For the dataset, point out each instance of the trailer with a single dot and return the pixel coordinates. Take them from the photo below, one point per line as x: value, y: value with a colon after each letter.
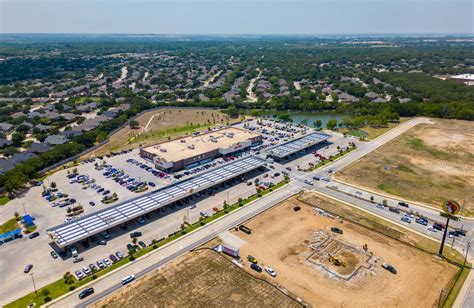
x: 245, y: 229
x: 230, y: 250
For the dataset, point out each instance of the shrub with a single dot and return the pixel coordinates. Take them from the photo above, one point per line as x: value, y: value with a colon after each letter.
x: 202, y: 223
x: 132, y: 258
x: 72, y: 288
x: 47, y: 299
x: 155, y: 246
x: 94, y: 276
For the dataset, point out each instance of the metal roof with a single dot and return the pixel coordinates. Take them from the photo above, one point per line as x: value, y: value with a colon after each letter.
x: 88, y: 225
x: 298, y: 144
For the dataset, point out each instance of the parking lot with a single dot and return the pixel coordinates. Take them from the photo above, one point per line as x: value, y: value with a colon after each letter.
x: 113, y: 175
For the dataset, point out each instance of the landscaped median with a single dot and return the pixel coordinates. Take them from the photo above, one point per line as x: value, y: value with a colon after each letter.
x: 69, y: 282
x: 331, y: 159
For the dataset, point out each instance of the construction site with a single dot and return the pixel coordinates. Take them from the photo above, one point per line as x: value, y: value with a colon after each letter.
x: 328, y: 261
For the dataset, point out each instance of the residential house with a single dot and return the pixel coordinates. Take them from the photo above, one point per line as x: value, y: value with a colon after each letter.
x: 38, y: 148
x: 56, y: 139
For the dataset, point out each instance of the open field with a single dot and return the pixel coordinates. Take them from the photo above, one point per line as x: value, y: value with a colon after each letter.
x: 164, y: 124
x: 429, y: 163
x: 300, y: 247
x: 198, y: 279
x: 369, y: 133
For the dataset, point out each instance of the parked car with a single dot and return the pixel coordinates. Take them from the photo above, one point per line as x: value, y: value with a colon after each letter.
x: 119, y: 254
x: 389, y: 268
x: 77, y: 259
x: 54, y: 254
x: 33, y: 235
x: 142, y: 244
x: 128, y: 279
x: 136, y: 234
x: 100, y: 264
x: 113, y: 258
x: 270, y: 271
x: 107, y: 261
x: 86, y: 270
x: 28, y: 268
x: 79, y: 274
x: 255, y: 267
x: 252, y: 259
x: 130, y: 247
x: 336, y: 230
x: 102, y: 242
x: 86, y: 292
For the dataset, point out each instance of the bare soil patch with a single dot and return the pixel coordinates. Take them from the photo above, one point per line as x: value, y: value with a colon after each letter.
x: 290, y: 241
x: 198, y: 279
x: 429, y: 163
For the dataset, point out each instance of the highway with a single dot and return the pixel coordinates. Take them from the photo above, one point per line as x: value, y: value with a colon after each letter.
x: 111, y: 282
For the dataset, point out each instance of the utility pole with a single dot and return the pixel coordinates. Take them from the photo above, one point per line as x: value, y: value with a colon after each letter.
x: 34, y: 286
x: 467, y: 251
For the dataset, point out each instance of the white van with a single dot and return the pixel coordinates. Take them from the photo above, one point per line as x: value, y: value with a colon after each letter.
x: 128, y: 279
x: 74, y: 252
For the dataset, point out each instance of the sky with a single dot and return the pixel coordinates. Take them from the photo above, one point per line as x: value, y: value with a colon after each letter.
x: 237, y: 16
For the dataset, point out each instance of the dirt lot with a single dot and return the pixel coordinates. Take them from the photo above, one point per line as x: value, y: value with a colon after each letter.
x: 429, y: 163
x: 159, y: 125
x: 281, y: 239
x: 199, y: 279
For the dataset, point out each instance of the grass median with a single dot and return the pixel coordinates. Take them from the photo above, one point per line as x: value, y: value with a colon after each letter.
x: 63, y: 286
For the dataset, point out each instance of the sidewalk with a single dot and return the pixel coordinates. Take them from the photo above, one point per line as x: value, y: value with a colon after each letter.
x: 466, y: 295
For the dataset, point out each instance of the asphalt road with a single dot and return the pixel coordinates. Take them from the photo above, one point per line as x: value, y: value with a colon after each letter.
x: 111, y: 283
x: 154, y: 260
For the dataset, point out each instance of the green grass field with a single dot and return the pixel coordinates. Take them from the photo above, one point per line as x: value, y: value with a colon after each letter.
x: 9, y: 225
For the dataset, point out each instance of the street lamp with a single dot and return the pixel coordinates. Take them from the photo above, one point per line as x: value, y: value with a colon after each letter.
x: 33, y: 280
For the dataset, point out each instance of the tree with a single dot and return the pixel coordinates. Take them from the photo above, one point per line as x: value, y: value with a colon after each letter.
x: 384, y: 202
x: 318, y: 123
x: 331, y: 124
x: 134, y: 124
x: 17, y: 139
x: 232, y: 111
x: 53, y: 185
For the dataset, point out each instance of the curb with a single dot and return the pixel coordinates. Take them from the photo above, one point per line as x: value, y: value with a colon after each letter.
x: 377, y: 215
x: 148, y: 254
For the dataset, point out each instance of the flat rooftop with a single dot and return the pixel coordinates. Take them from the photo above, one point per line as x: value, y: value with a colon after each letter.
x: 94, y: 223
x: 181, y: 148
x: 298, y: 144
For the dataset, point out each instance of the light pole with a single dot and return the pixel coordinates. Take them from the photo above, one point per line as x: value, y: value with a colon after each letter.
x: 467, y: 251
x: 34, y: 286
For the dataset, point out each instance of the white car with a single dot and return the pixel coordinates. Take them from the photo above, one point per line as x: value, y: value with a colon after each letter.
x: 308, y: 182
x: 192, y: 206
x: 107, y: 261
x: 86, y: 270
x: 79, y: 274
x: 270, y: 271
x: 128, y: 279
x: 100, y: 264
x: 432, y: 229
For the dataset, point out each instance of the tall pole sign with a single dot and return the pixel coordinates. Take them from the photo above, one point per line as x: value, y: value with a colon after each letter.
x: 450, y: 209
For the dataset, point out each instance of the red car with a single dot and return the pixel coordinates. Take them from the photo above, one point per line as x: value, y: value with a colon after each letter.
x: 215, y: 209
